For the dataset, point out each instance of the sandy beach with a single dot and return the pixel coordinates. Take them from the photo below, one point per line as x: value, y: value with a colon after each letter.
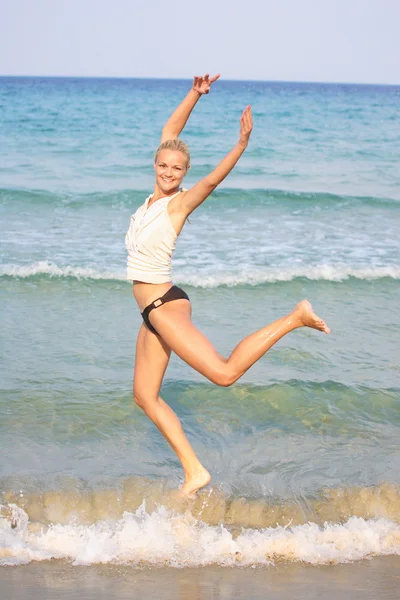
x: 376, y: 579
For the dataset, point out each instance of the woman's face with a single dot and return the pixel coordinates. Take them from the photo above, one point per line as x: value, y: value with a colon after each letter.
x: 171, y: 168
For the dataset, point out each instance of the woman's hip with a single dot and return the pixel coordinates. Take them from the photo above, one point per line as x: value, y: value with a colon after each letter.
x: 173, y: 293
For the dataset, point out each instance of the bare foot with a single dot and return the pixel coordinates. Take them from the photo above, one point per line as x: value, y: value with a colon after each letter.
x: 193, y: 483
x: 308, y: 318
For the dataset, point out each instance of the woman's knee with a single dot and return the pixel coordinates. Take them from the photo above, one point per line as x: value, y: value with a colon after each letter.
x: 140, y: 399
x: 223, y: 376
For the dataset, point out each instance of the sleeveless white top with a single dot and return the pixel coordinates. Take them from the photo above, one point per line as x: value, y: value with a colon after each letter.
x: 150, y: 242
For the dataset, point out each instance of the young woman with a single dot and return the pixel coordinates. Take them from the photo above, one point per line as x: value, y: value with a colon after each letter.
x: 165, y: 308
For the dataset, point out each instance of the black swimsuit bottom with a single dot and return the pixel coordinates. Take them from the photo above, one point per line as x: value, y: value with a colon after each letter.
x: 174, y: 293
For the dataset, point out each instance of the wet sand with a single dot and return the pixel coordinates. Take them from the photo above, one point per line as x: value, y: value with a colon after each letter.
x: 377, y: 579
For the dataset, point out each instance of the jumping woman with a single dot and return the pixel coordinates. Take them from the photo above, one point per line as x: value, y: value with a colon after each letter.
x: 165, y: 308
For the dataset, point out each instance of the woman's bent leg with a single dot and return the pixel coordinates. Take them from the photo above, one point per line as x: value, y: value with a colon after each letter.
x: 173, y: 323
x: 152, y: 356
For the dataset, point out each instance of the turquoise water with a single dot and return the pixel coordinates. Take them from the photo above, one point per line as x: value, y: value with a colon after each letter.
x: 310, y: 434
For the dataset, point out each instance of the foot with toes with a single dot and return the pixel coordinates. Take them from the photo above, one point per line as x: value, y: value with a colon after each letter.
x: 308, y: 318
x: 194, y: 482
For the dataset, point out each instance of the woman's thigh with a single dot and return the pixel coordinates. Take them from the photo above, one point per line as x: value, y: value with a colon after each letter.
x: 151, y: 361
x: 173, y: 323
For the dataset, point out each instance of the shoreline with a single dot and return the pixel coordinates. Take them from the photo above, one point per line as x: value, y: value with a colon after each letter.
x: 367, y: 579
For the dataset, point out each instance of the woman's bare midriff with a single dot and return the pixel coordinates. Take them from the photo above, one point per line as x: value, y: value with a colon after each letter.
x: 146, y: 293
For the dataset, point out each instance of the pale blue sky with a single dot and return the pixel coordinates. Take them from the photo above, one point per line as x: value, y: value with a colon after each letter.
x: 292, y: 40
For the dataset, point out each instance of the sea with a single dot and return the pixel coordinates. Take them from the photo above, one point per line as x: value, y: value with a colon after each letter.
x: 304, y: 450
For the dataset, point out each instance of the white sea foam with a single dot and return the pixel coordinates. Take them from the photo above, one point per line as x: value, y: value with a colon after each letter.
x: 204, y: 279
x: 167, y: 538
x: 47, y: 268
x: 269, y: 275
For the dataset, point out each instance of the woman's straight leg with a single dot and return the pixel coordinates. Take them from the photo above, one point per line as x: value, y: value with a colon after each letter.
x: 152, y: 356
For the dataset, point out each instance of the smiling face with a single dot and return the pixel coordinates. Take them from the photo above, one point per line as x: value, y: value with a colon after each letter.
x: 170, y: 167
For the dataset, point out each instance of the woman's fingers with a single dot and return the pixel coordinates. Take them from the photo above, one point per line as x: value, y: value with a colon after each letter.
x: 209, y: 79
x: 246, y: 124
x: 214, y: 78
x: 203, y: 84
x: 250, y: 117
x: 246, y: 118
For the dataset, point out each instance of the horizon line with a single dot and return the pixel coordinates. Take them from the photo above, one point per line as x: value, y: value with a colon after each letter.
x: 123, y: 77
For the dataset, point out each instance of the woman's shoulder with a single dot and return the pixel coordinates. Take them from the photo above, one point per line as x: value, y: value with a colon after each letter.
x: 142, y: 206
x: 177, y: 194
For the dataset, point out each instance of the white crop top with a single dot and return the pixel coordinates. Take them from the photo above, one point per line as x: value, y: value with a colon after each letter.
x: 150, y: 242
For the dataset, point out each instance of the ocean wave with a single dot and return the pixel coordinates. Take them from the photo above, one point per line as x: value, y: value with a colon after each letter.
x: 36, y: 197
x: 74, y: 501
x: 159, y: 534
x: 234, y: 196
x: 339, y: 411
x: 251, y: 277
x: 255, y: 277
x: 48, y: 269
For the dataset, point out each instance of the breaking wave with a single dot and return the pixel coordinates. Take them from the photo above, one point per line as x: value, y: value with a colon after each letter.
x: 98, y: 527
x: 254, y: 277
x: 129, y: 197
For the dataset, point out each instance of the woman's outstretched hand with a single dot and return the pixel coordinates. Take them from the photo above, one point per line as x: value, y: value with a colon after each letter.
x: 202, y: 85
x: 246, y: 125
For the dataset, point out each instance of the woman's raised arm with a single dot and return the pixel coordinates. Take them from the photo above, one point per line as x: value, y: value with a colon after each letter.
x: 178, y: 119
x: 187, y: 202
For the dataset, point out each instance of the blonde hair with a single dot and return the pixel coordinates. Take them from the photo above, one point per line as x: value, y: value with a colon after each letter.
x: 177, y: 146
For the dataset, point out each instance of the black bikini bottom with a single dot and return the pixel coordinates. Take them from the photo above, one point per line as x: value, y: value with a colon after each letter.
x: 174, y: 293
